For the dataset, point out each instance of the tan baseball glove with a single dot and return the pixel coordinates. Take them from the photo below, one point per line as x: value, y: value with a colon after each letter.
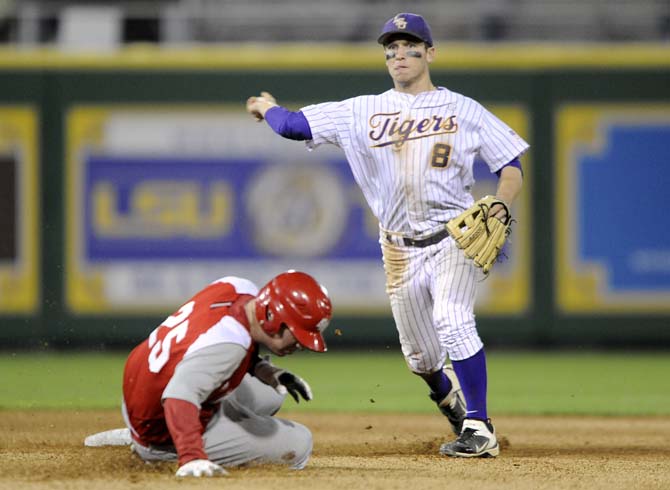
x: 479, y: 234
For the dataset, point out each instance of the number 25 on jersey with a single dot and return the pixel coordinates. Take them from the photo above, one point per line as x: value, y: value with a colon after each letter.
x: 176, y: 326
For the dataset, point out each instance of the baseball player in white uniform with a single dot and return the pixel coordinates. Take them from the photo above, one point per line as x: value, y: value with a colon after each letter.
x: 411, y: 150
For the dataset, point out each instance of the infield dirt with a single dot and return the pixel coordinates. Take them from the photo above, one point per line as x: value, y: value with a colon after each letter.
x: 44, y: 450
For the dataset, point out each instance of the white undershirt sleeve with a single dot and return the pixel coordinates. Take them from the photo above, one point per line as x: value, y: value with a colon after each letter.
x: 200, y: 373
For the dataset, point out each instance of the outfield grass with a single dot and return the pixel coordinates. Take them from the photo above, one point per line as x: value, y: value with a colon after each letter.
x: 519, y: 382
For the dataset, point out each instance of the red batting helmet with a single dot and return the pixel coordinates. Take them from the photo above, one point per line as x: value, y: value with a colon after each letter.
x: 296, y: 300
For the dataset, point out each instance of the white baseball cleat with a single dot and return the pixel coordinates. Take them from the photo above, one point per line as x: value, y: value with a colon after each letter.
x: 477, y: 440
x: 114, y: 437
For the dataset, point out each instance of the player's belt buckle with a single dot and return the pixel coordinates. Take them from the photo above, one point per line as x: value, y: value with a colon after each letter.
x: 428, y: 241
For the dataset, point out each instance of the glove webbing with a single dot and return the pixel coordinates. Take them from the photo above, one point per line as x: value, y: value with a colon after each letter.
x: 483, y: 245
x: 486, y: 209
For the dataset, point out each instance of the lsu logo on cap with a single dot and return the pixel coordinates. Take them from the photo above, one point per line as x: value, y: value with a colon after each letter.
x: 400, y: 22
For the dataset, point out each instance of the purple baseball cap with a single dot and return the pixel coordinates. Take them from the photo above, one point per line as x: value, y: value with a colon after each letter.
x: 411, y: 24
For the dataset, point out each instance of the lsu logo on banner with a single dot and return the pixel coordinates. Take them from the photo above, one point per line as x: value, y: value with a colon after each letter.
x: 157, y: 206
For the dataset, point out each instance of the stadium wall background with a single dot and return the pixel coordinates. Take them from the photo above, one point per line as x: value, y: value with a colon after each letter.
x: 553, y: 84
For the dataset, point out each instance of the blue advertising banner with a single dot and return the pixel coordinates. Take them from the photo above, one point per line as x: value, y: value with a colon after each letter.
x: 214, y: 209
x: 162, y: 201
x: 614, y: 251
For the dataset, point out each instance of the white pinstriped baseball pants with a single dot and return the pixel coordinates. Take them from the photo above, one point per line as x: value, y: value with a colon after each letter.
x: 432, y: 293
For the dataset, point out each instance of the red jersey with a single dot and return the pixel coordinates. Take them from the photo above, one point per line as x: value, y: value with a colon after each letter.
x: 214, y: 315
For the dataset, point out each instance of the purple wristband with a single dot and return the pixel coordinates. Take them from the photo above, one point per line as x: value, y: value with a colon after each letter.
x: 514, y: 163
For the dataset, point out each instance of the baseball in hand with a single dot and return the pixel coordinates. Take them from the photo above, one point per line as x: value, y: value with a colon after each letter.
x: 257, y: 106
x: 252, y: 103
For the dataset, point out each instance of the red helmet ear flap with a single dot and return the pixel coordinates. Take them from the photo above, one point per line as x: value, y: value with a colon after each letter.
x: 267, y: 318
x: 297, y: 300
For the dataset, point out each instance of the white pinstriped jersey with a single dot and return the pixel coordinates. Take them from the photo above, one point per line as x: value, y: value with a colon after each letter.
x: 412, y: 156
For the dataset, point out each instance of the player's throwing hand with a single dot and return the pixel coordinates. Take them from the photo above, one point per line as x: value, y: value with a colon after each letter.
x: 258, y: 106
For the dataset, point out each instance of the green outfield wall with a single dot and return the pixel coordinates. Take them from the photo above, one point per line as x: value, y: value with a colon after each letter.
x: 590, y: 261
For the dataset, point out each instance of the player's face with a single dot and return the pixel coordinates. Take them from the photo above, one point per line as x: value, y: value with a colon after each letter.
x: 407, y: 60
x: 283, y: 343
